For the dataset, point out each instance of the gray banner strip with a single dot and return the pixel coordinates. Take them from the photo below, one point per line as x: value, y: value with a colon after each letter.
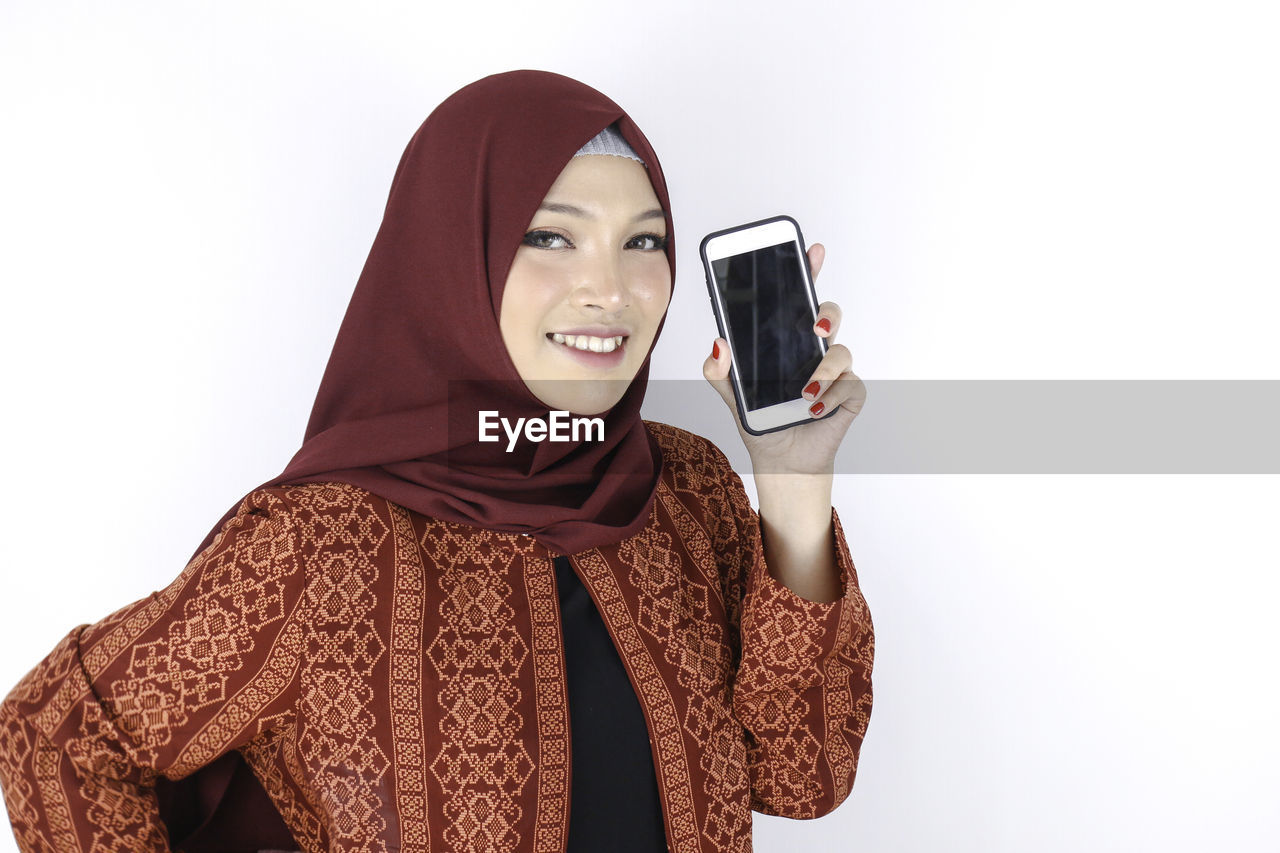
x: 1028, y: 426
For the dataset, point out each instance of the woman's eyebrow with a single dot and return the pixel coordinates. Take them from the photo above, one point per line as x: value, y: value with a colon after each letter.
x: 574, y: 210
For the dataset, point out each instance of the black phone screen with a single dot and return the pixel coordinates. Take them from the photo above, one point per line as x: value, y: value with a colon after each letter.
x: 770, y: 322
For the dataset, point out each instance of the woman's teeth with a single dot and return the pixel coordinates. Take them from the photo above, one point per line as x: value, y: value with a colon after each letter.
x: 588, y: 342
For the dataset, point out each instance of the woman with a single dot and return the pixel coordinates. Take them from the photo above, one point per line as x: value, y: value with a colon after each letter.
x: 420, y: 640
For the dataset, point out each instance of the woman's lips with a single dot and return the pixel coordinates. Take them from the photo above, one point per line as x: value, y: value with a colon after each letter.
x: 589, y: 350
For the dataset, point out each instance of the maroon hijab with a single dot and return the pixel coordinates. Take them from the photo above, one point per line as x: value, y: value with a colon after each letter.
x: 420, y: 352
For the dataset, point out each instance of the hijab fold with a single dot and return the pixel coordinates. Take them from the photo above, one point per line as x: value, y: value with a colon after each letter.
x: 420, y: 353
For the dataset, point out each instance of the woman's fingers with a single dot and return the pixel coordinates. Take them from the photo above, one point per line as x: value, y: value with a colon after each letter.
x: 716, y: 370
x: 846, y: 390
x: 837, y: 361
x: 817, y: 254
x: 834, y: 384
x: 828, y: 322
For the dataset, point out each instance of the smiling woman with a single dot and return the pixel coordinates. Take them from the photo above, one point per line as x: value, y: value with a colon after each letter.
x: 413, y: 639
x: 590, y: 283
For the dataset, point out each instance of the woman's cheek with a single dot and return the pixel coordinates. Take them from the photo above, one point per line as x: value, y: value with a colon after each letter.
x: 656, y: 283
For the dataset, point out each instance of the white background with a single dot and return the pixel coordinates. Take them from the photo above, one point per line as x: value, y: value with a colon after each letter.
x: 1077, y: 189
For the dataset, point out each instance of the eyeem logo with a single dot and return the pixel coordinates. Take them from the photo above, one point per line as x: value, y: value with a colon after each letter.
x: 559, y: 426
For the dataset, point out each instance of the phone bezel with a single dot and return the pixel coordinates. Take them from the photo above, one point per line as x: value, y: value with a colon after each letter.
x: 736, y: 241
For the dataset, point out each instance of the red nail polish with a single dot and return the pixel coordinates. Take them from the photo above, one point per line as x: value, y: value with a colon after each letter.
x: 825, y: 325
x: 816, y: 409
x: 813, y: 388
x: 715, y: 350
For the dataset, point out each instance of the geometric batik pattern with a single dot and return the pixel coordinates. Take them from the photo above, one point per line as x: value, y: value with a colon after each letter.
x: 343, y: 653
x: 397, y: 682
x: 480, y: 658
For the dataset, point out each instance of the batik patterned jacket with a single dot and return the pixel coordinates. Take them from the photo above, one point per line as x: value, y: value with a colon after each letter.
x: 397, y: 682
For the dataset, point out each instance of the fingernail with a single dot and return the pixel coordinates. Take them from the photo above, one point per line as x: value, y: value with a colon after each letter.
x: 715, y: 351
x: 812, y: 388
x: 816, y: 409
x: 825, y: 325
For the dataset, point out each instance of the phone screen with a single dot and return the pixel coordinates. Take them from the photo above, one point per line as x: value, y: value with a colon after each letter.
x: 770, y: 322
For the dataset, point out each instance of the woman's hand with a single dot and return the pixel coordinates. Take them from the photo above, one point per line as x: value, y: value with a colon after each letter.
x: 808, y: 448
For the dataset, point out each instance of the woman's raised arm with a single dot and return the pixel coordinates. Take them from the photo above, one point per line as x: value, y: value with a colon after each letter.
x: 802, y: 689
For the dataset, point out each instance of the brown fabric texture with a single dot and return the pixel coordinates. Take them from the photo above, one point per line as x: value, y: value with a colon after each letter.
x: 420, y: 352
x: 396, y: 681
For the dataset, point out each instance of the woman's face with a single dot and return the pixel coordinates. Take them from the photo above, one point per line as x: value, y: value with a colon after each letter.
x: 591, y: 270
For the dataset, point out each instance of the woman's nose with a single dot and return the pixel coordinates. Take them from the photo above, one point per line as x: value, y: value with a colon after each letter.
x: 603, y: 285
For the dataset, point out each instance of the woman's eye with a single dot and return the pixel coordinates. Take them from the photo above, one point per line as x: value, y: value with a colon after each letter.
x: 547, y: 240
x: 647, y: 242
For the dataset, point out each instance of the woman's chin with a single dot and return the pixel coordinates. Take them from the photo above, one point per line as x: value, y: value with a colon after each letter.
x: 579, y: 396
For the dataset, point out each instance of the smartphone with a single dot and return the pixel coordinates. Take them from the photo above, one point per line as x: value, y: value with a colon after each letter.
x: 765, y: 307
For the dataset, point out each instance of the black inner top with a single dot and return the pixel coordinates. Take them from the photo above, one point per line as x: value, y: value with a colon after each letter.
x: 614, y: 802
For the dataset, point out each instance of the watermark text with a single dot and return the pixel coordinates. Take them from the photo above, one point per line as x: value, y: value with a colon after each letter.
x: 559, y: 426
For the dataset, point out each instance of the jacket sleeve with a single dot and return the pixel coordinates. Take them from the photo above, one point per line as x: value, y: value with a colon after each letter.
x: 802, y: 689
x: 161, y: 687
